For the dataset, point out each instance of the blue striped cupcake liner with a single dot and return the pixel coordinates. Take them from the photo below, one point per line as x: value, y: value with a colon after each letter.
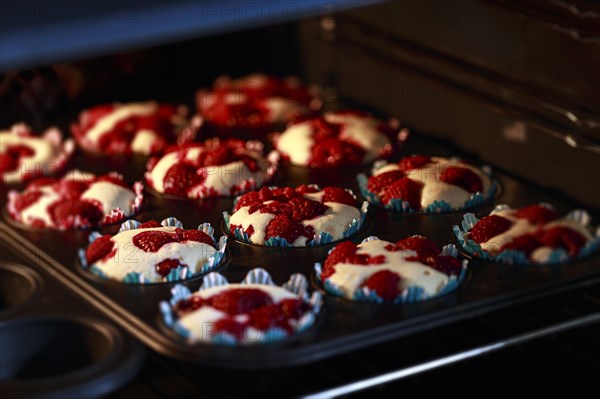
x: 296, y: 284
x: 176, y: 274
x: 320, y: 239
x: 440, y: 206
x: 408, y: 295
x: 514, y: 257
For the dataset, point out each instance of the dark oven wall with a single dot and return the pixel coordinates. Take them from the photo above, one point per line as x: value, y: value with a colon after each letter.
x: 511, y: 86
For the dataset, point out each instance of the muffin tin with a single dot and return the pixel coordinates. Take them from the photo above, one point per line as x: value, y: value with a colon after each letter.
x: 342, y: 325
x: 54, y: 344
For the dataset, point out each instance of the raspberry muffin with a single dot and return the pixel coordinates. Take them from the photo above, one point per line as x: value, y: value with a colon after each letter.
x: 153, y: 252
x: 255, y: 311
x: 211, y: 169
x: 25, y: 156
x: 409, y: 270
x: 427, y: 184
x: 78, y: 200
x: 255, y: 102
x: 533, y: 234
x: 335, y: 139
x: 298, y: 217
x: 133, y: 128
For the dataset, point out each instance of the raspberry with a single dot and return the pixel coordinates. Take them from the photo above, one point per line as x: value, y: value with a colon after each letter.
x: 71, y: 189
x: 192, y: 303
x: 462, y: 177
x: 339, y: 254
x: 63, y: 211
x: 488, y: 227
x: 537, y: 214
x: 413, y: 162
x: 164, y: 268
x: 305, y: 209
x: 180, y: 178
x: 250, y: 163
x: 526, y: 243
x: 152, y: 241
x: 269, y: 316
x: 365, y: 259
x: 444, y: 263
x: 249, y: 199
x: 385, y: 284
x: 149, y: 224
x: 380, y: 182
x: 230, y: 326
x: 112, y: 179
x: 306, y: 189
x: 563, y: 237
x: 293, y: 308
x: 332, y: 152
x: 8, y: 163
x: 98, y: 249
x: 282, y: 226
x: 419, y: 244
x: 337, y: 194
x: 220, y: 155
x: 405, y: 189
x: 324, y: 130
x: 27, y: 199
x: 197, y: 235
x: 20, y: 151
x: 239, y: 300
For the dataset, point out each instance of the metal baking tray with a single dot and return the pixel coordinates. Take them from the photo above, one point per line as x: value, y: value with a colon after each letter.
x: 342, y: 325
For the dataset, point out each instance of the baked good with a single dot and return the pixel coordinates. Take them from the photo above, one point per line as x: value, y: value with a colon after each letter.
x: 25, y: 156
x: 254, y: 102
x: 152, y: 252
x: 303, y: 216
x: 77, y: 200
x: 532, y: 234
x: 427, y: 184
x: 210, y: 169
x: 409, y: 270
x: 335, y: 139
x: 132, y: 128
x: 255, y: 311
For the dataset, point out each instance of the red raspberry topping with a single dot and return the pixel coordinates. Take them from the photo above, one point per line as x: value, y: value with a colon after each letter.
x: 66, y: 210
x: 337, y: 194
x: 152, y: 241
x: 339, y: 254
x: 192, y: 303
x: 284, y: 227
x: 41, y: 182
x: 10, y: 159
x: 98, y: 249
x: 405, y: 189
x: 267, y: 317
x: 537, y: 214
x: 149, y: 224
x: 293, y: 308
x: 306, y: 189
x: 385, y: 284
x: 72, y: 189
x: 443, y: 263
x: 239, y: 300
x: 413, y: 162
x: 462, y: 177
x: 563, y: 237
x: 196, y: 235
x: 380, y: 182
x: 332, y: 152
x: 488, y: 227
x: 180, y: 179
x: 27, y: 199
x: 164, y: 267
x: 419, y: 244
x: 526, y: 243
x: 230, y: 326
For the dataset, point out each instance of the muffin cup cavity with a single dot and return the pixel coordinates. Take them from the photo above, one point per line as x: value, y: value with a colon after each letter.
x: 18, y: 285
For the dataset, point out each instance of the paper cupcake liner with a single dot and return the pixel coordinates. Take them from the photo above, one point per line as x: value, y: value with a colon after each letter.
x: 515, y: 257
x: 177, y: 274
x: 112, y: 217
x: 408, y: 295
x: 319, y: 239
x: 297, y: 284
x: 441, y: 206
